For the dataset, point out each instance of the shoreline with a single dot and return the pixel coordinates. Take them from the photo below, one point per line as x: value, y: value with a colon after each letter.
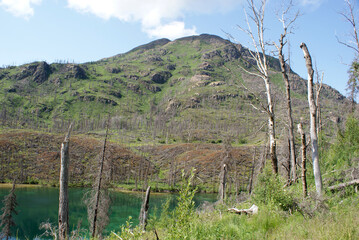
x: 115, y: 189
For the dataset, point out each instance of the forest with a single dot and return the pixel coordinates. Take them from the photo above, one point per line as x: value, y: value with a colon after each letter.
x: 198, y: 114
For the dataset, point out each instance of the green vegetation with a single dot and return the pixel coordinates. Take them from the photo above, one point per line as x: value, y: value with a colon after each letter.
x: 189, y: 90
x: 283, y: 212
x: 174, y: 106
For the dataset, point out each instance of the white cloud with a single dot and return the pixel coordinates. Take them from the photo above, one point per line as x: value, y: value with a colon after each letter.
x: 20, y: 8
x: 159, y: 18
x: 171, y: 30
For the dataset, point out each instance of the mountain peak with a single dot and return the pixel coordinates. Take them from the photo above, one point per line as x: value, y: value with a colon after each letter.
x: 151, y: 45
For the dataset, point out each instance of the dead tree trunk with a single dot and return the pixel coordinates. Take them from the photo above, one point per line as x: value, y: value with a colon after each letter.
x: 261, y: 70
x: 63, y: 194
x: 287, y: 19
x: 313, y: 122
x: 144, y: 209
x: 222, y: 184
x: 8, y: 210
x: 317, y: 102
x: 292, y: 152
x: 304, y: 159
x: 250, y: 185
x: 99, y: 180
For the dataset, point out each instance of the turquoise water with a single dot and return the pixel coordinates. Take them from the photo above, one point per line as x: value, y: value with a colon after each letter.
x: 40, y: 204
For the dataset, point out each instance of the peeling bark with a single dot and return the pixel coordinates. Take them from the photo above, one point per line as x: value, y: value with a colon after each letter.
x: 63, y: 194
x: 313, y: 121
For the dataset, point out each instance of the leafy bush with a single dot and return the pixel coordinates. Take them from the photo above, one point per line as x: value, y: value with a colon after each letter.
x: 270, y: 191
x: 127, y: 232
x: 184, y: 212
x: 346, y: 147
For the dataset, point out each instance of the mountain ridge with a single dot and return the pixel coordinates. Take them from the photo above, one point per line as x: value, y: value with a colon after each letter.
x: 166, y: 82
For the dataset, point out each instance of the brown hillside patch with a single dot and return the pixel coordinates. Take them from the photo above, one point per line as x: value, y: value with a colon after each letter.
x: 205, y: 158
x: 34, y: 157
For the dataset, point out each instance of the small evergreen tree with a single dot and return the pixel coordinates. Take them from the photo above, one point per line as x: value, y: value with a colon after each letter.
x: 6, y: 219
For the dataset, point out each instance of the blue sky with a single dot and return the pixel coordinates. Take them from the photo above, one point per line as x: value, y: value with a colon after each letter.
x: 88, y: 30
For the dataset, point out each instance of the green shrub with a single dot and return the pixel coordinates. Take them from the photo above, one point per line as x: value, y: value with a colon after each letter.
x: 270, y: 191
x: 346, y: 146
x: 184, y: 213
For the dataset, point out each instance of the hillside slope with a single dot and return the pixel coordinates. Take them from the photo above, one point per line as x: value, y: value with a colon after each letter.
x: 190, y: 89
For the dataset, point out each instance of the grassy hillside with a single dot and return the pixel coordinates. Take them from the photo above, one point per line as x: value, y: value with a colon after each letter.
x: 190, y: 89
x: 173, y: 105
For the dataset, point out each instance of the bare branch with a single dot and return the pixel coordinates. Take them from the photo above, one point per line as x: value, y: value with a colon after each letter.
x: 350, y: 17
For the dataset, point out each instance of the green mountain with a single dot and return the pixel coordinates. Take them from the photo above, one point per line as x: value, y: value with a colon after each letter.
x: 190, y: 89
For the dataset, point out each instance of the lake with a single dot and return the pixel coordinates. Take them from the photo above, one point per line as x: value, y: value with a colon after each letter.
x: 40, y: 204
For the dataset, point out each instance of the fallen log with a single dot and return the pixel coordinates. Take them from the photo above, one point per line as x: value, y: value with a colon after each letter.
x: 344, y: 185
x: 250, y: 211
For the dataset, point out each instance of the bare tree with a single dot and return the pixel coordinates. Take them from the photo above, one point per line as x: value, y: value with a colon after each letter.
x: 313, y: 121
x: 144, y: 209
x: 6, y: 218
x: 259, y: 44
x: 63, y: 191
x: 304, y: 158
x: 98, y: 201
x: 319, y: 87
x: 222, y: 184
x: 351, y: 16
x: 287, y: 23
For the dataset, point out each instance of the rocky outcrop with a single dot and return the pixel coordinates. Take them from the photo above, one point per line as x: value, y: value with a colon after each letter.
x: 42, y: 72
x: 161, y: 77
x: 116, y: 94
x: 113, y: 70
x: 230, y: 52
x: 37, y: 72
x: 75, y: 71
x: 171, y: 67
x: 106, y: 101
x: 206, y: 66
x: 212, y: 54
x: 151, y: 88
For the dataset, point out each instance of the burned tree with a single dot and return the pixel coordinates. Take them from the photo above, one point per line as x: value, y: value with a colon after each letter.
x: 222, y: 184
x: 63, y: 192
x: 313, y: 121
x: 144, y: 209
x: 352, y: 42
x: 6, y: 218
x: 262, y: 70
x: 98, y: 200
x: 287, y: 25
x: 304, y: 159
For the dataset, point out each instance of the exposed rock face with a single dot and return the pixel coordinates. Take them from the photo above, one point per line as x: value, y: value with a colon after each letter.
x: 200, y: 80
x: 107, y: 101
x: 161, y: 77
x: 206, y: 66
x: 230, y: 52
x: 42, y: 72
x: 116, y: 94
x: 90, y: 98
x: 215, y: 84
x: 210, y: 55
x: 75, y: 71
x: 151, y: 88
x: 38, y: 72
x: 172, y: 105
x: 135, y: 88
x: 114, y: 70
x: 152, y: 59
x: 171, y: 67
